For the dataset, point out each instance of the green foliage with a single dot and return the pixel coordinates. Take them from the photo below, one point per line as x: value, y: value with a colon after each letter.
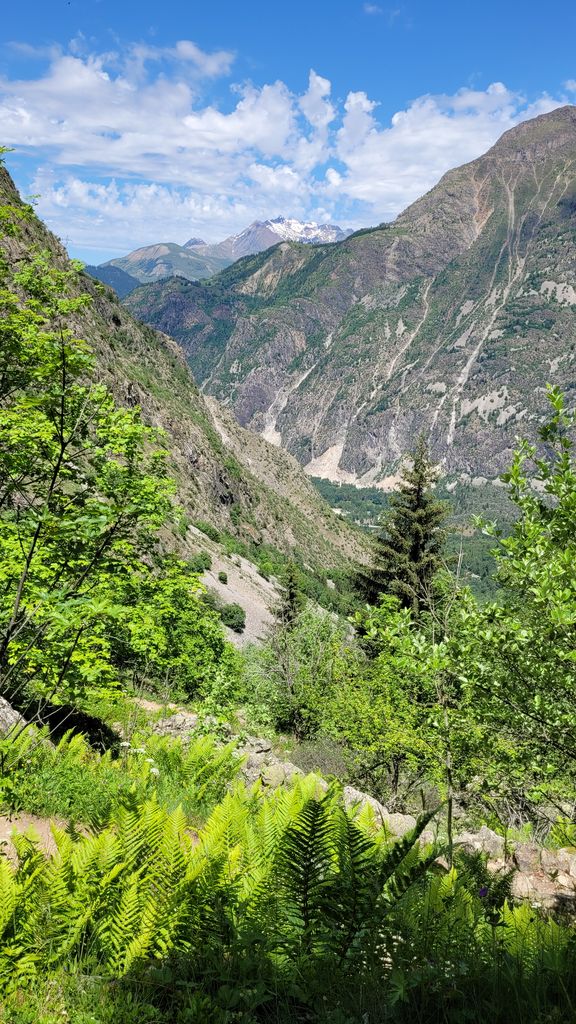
x: 86, y: 601
x: 292, y: 600
x: 409, y: 545
x: 223, y: 577
x: 169, y: 639
x: 292, y: 678
x: 72, y: 781
x: 83, y: 493
x: 518, y: 657
x: 139, y: 890
x: 283, y: 907
x: 200, y: 562
x: 209, y: 530
x: 233, y: 616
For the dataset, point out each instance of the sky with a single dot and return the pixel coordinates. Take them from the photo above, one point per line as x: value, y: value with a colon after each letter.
x: 149, y: 122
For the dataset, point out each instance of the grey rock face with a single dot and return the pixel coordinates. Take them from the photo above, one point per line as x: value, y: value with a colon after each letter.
x: 449, y: 321
x: 180, y: 725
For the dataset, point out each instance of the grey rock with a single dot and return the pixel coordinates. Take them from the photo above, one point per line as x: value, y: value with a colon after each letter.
x: 276, y: 773
x: 482, y: 351
x: 527, y: 858
x: 485, y: 840
x: 181, y: 724
x: 356, y: 798
x: 256, y: 744
x: 9, y: 717
x: 399, y: 824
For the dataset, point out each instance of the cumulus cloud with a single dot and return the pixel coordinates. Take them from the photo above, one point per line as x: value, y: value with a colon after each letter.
x: 387, y: 168
x: 130, y: 151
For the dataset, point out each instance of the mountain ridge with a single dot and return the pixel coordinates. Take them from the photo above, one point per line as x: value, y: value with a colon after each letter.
x: 197, y: 259
x: 450, y: 320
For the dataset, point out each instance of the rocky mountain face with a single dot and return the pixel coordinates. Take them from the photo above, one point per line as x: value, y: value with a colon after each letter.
x: 197, y: 259
x: 226, y: 477
x: 450, y: 320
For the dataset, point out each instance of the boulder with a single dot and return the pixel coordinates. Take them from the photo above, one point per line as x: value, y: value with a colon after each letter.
x: 484, y: 840
x: 9, y: 717
x: 356, y: 798
x: 527, y: 857
x: 279, y: 772
x: 399, y: 824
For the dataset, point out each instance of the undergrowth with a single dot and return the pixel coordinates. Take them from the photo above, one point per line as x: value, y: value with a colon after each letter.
x: 283, y: 908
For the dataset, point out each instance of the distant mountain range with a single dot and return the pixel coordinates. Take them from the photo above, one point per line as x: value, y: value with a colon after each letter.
x: 451, y: 321
x: 197, y: 259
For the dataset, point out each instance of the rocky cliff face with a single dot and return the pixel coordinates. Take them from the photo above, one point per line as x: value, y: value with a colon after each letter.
x: 226, y: 476
x: 451, y: 321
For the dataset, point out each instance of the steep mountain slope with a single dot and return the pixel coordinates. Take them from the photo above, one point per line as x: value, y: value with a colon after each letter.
x: 226, y: 477
x: 450, y: 320
x: 197, y: 259
x: 119, y: 280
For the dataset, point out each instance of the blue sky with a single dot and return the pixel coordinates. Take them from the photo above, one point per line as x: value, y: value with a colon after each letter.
x: 158, y: 121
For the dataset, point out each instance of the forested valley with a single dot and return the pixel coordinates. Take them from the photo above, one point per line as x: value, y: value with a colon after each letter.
x: 179, y: 884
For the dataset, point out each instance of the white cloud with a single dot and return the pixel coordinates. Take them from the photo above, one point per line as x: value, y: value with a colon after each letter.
x: 130, y: 152
x: 570, y: 85
x: 372, y: 9
x: 388, y: 168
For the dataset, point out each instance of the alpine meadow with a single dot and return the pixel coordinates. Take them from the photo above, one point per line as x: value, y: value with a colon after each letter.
x: 287, y: 530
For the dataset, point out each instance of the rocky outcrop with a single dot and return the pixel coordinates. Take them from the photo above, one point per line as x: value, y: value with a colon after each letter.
x: 546, y: 877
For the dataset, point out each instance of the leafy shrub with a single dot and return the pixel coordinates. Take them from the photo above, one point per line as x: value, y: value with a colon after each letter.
x: 200, y: 562
x: 223, y: 577
x: 208, y: 529
x: 233, y: 616
x: 290, y: 680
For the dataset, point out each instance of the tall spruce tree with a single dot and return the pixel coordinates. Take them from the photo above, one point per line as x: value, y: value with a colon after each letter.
x: 292, y: 600
x: 410, y: 543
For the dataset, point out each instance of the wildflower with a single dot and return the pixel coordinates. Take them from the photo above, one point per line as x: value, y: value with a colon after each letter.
x: 483, y: 892
x: 125, y: 744
x: 154, y: 771
x: 138, y: 750
x: 149, y: 760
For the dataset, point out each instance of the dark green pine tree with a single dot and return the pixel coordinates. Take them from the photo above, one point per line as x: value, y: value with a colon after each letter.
x: 409, y: 546
x: 292, y: 600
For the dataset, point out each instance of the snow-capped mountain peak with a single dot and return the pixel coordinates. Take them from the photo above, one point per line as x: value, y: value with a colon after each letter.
x: 261, y: 234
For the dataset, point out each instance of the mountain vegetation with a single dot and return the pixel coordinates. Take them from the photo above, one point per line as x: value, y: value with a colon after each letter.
x: 410, y: 540
x: 169, y: 888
